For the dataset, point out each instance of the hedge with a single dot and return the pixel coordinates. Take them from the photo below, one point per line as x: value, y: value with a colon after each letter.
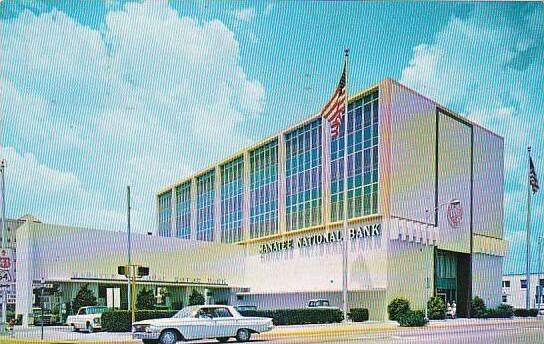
x: 503, y: 311
x: 358, y: 314
x: 120, y: 320
x: 412, y: 319
x: 298, y: 316
x: 522, y: 312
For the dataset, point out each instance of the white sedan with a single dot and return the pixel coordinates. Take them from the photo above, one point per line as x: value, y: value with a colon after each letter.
x: 200, y: 322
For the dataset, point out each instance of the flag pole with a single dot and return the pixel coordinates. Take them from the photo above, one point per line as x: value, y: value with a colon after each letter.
x: 528, y: 262
x: 345, y: 202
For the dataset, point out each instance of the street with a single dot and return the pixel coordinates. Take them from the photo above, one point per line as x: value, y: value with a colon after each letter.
x: 525, y: 332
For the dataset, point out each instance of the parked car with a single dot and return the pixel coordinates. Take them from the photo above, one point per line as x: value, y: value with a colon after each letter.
x: 87, y: 318
x: 201, y: 322
x: 321, y: 304
x: 243, y: 308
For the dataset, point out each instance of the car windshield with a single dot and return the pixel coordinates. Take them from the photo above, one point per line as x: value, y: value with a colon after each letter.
x: 96, y: 310
x: 187, y: 312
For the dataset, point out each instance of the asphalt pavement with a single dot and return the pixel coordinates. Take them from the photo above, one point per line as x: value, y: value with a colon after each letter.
x: 443, y: 333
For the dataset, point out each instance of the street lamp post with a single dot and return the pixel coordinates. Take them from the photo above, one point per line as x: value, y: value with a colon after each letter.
x: 428, y: 262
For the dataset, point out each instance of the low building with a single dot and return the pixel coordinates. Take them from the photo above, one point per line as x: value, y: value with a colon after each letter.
x: 514, y: 290
x: 66, y: 258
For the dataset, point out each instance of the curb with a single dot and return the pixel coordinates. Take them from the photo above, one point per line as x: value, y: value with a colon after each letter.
x: 313, y: 332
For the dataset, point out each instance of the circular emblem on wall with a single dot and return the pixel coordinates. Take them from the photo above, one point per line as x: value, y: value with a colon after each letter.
x: 455, y: 214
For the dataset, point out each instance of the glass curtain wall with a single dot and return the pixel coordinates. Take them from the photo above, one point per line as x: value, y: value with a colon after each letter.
x: 303, y: 176
x: 362, y: 136
x: 205, y: 206
x: 183, y: 211
x: 232, y: 195
x: 165, y: 214
x: 264, y: 190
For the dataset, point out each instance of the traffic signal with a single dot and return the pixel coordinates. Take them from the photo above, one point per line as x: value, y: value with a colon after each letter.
x: 122, y: 270
x: 143, y: 271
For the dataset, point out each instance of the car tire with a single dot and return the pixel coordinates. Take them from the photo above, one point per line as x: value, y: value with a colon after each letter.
x: 150, y: 341
x: 168, y: 337
x: 223, y: 339
x: 90, y: 328
x: 243, y: 335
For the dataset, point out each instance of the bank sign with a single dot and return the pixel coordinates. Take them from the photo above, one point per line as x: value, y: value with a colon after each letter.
x: 359, y: 232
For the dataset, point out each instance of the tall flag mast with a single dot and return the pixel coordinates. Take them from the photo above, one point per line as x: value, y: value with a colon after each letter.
x: 334, y: 112
x: 532, y: 189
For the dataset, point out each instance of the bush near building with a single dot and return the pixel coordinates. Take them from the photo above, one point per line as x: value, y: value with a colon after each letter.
x: 84, y: 298
x: 412, y: 319
x: 196, y: 298
x: 298, y: 316
x: 397, y: 308
x: 436, y: 308
x: 120, y: 320
x: 358, y: 314
x: 503, y: 311
x: 522, y: 312
x: 145, y: 299
x: 478, y: 308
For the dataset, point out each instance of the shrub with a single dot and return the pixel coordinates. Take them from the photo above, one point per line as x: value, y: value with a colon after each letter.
x: 85, y: 297
x: 145, y: 300
x: 412, y: 319
x: 358, y: 314
x: 522, y: 312
x: 120, y: 321
x: 533, y: 312
x: 196, y: 298
x: 397, y: 308
x: 436, y: 308
x: 298, y: 316
x: 478, y: 308
x: 503, y: 311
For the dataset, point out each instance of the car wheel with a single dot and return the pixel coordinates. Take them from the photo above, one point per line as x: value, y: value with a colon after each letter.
x: 90, y: 328
x: 223, y: 339
x: 168, y: 337
x: 243, y: 335
x: 150, y: 341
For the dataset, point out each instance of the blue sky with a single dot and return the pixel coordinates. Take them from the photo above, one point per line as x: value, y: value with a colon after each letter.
x: 98, y: 95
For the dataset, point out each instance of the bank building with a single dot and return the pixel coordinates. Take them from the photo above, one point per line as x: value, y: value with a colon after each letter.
x: 264, y: 226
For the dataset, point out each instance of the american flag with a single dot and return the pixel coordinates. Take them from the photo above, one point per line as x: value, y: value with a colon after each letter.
x: 533, y: 180
x: 334, y: 111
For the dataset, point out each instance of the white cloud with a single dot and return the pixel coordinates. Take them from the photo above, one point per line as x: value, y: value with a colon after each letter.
x: 142, y: 101
x: 245, y: 14
x: 268, y: 8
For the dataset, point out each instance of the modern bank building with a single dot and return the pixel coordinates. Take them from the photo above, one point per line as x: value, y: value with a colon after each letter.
x: 263, y: 227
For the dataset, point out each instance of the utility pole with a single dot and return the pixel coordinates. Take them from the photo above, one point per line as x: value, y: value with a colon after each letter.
x: 129, y: 286
x: 4, y: 293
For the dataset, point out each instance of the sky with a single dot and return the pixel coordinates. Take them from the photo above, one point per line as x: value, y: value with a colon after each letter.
x: 97, y: 95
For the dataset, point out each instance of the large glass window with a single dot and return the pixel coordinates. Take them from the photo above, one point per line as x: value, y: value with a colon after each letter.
x: 264, y: 190
x: 362, y: 146
x: 232, y: 195
x: 183, y: 211
x: 205, y: 206
x: 165, y: 214
x: 303, y: 176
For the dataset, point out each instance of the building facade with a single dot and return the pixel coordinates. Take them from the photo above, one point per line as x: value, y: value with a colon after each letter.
x: 514, y: 290
x: 424, y: 204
